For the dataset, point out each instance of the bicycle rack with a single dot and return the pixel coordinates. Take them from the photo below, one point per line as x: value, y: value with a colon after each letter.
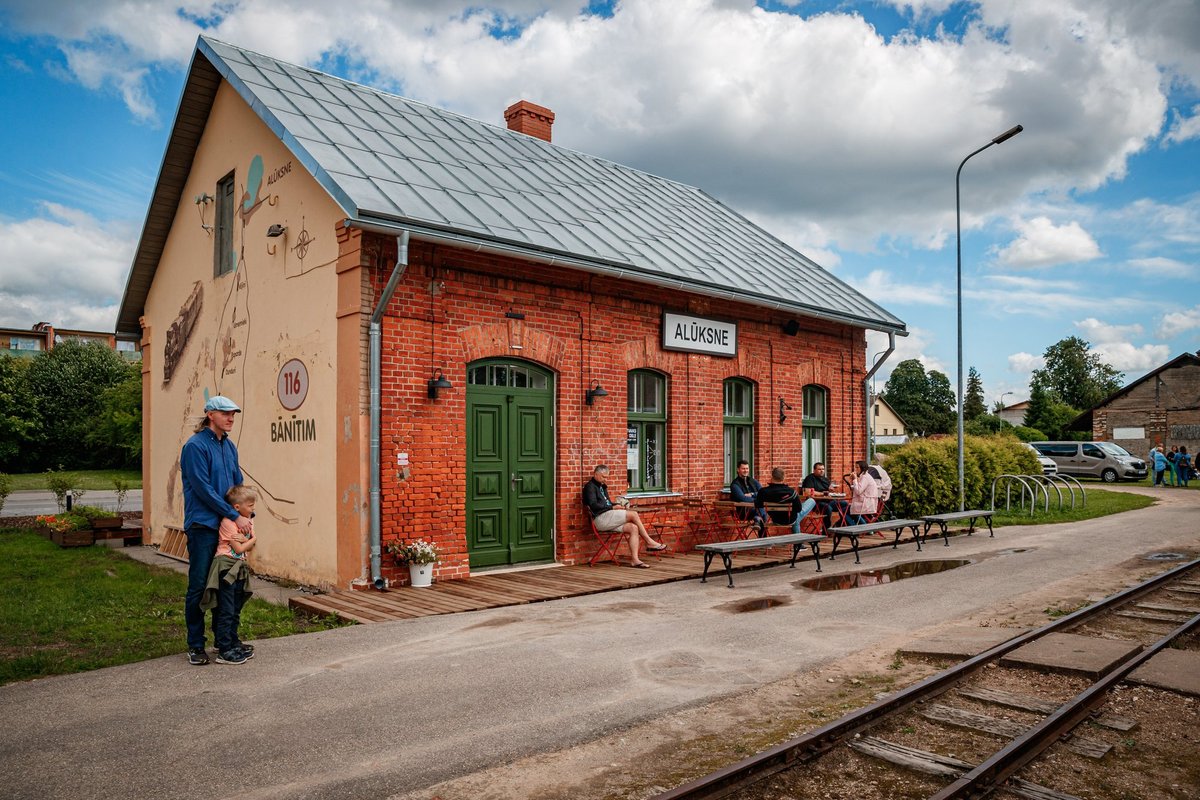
x: 1066, y: 480
x: 1029, y: 485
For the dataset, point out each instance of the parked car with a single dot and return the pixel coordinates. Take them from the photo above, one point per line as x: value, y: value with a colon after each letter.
x: 1104, y: 460
x: 1048, y: 465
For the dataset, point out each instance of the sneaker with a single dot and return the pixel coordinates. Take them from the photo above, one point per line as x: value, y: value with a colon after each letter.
x: 248, y: 649
x: 233, y: 656
x: 197, y: 657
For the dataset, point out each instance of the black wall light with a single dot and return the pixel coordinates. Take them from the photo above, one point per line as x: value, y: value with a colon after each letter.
x: 594, y: 392
x: 791, y: 327
x: 783, y: 406
x: 437, y: 382
x: 275, y: 230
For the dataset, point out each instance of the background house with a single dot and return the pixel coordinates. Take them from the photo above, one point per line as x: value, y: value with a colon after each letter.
x: 1015, y: 414
x: 1160, y: 408
x: 42, y: 337
x: 887, y: 425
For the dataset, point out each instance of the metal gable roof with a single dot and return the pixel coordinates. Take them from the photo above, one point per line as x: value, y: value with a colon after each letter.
x: 390, y: 161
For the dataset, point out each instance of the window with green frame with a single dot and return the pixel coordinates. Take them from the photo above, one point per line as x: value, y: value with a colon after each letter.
x: 646, y: 441
x: 738, y: 417
x: 816, y: 426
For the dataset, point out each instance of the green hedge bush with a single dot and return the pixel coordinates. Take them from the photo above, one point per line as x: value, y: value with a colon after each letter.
x: 924, y: 472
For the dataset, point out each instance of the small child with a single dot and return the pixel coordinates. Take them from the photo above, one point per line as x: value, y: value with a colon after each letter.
x: 229, y: 578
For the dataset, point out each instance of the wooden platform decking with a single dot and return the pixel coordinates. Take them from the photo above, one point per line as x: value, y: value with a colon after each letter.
x: 552, y: 583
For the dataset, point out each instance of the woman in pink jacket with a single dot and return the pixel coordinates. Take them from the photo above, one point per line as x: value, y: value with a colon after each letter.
x: 865, y: 502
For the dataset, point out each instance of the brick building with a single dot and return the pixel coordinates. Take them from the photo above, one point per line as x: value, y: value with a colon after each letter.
x: 482, y: 314
x: 42, y: 337
x: 1160, y: 408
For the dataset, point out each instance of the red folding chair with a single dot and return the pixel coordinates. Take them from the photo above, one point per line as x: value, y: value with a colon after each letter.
x: 610, y: 542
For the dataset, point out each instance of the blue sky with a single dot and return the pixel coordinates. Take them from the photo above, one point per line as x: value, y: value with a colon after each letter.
x: 838, y: 126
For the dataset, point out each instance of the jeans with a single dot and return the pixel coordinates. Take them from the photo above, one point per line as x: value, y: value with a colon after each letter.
x: 807, y: 506
x: 202, y: 547
x: 227, y: 616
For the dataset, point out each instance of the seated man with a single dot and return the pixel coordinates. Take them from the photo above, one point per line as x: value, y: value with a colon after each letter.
x: 819, y: 486
x: 779, y: 492
x: 607, y: 518
x: 743, y: 489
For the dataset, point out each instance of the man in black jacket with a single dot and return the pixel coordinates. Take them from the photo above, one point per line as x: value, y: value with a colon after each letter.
x: 779, y: 492
x: 608, y: 518
x: 744, y: 489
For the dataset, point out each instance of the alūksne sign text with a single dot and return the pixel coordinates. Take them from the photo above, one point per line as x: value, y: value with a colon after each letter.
x: 715, y: 337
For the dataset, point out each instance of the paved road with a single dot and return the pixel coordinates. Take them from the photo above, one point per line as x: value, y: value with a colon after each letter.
x: 375, y: 710
x: 28, y: 503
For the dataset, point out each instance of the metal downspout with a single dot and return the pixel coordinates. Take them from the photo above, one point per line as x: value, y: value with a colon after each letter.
x: 375, y: 336
x: 867, y: 392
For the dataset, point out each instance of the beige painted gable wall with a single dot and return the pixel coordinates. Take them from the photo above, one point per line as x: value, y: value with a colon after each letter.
x: 277, y: 306
x: 886, y: 421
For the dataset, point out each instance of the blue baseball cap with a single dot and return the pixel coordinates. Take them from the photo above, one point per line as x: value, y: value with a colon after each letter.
x: 220, y: 403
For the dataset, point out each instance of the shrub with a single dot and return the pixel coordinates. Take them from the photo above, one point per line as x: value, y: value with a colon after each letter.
x: 121, y: 486
x: 5, y: 489
x: 925, y: 472
x: 92, y: 512
x: 60, y: 485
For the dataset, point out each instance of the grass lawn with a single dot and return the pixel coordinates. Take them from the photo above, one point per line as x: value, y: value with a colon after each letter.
x: 72, y: 610
x: 1100, y: 503
x: 100, y: 479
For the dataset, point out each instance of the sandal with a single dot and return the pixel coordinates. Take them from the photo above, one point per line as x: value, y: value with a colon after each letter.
x: 641, y: 565
x: 660, y: 548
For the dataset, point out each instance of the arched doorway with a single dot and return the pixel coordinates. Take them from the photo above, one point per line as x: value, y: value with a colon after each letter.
x: 510, y: 462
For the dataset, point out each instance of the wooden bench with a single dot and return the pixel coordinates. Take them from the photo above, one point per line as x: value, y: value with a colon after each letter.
x: 726, y: 549
x: 972, y: 515
x: 852, y: 532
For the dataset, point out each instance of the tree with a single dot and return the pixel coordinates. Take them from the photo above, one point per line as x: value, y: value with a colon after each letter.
x: 118, y: 428
x: 973, y: 405
x: 18, y: 419
x: 1075, y: 376
x: 1047, y: 413
x: 67, y: 385
x: 924, y: 401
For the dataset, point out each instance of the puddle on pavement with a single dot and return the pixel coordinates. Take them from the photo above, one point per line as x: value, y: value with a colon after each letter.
x: 1166, y: 557
x: 755, y: 604
x: 874, y: 577
x: 1010, y: 551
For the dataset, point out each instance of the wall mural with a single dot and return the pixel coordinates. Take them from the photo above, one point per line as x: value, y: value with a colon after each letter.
x: 225, y: 363
x: 181, y: 331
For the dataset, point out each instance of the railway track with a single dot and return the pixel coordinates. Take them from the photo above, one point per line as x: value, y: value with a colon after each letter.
x: 952, y: 698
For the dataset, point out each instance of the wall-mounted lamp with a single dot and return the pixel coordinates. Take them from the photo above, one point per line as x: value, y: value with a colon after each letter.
x: 783, y: 406
x: 274, y: 232
x: 438, y: 382
x: 594, y: 392
x: 791, y: 327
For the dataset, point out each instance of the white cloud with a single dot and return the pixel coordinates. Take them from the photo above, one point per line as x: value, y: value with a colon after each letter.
x: 1128, y: 357
x: 724, y: 95
x: 1025, y: 363
x: 1017, y: 294
x: 1163, y: 267
x: 882, y: 287
x: 1184, y: 128
x: 65, y: 268
x: 1042, y: 243
x: 1098, y: 332
x: 1177, y: 322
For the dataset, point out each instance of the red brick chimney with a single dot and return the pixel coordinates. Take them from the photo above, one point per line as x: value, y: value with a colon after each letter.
x: 529, y: 119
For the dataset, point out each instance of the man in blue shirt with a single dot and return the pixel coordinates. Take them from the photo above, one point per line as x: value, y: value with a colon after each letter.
x: 209, y: 467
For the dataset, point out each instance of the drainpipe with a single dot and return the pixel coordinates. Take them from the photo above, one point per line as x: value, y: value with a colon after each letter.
x: 375, y: 337
x: 867, y: 390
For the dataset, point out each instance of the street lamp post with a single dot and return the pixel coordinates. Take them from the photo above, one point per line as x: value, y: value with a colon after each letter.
x: 1004, y: 137
x: 1002, y: 396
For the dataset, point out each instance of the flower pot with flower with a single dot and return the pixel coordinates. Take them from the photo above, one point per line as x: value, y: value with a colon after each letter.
x: 420, y: 556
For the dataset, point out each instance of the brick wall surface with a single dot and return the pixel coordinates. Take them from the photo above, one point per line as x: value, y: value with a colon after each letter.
x: 449, y: 310
x: 1166, y: 407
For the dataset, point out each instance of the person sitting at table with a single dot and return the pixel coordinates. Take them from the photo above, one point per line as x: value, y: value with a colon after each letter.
x: 865, y: 501
x: 818, y: 486
x: 743, y: 489
x: 779, y: 492
x: 606, y: 517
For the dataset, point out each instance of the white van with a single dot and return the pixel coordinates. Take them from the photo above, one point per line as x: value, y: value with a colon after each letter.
x: 1104, y: 460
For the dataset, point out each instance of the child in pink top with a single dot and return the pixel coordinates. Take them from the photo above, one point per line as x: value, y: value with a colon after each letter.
x: 232, y: 591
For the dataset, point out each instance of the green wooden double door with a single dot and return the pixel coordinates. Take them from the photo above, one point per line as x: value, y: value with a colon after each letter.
x: 510, y: 463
